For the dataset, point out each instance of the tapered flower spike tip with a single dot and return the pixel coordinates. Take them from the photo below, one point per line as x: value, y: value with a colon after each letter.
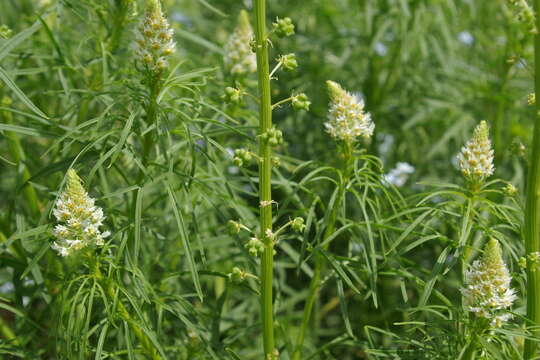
x: 335, y: 91
x: 74, y: 185
x: 243, y: 20
x: 493, y: 255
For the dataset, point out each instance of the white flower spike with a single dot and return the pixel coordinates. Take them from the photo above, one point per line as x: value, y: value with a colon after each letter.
x: 347, y: 118
x: 79, y: 219
x: 476, y: 157
x: 239, y: 57
x: 154, y: 42
x: 487, y: 292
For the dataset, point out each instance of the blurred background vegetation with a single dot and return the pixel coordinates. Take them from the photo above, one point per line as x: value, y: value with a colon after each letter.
x: 429, y: 71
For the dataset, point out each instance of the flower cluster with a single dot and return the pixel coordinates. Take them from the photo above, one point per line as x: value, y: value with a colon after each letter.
x: 79, y: 218
x: 239, y: 57
x: 487, y: 292
x: 399, y: 175
x: 346, y: 118
x: 525, y: 14
x: 476, y: 157
x: 154, y: 39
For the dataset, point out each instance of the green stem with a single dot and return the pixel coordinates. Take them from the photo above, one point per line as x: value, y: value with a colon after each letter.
x: 319, y: 259
x: 265, y: 173
x: 315, y: 283
x: 471, y: 349
x: 151, y: 117
x: 532, y: 208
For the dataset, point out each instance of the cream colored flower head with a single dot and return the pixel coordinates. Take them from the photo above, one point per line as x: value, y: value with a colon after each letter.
x: 154, y: 42
x: 487, y: 292
x: 476, y: 157
x: 347, y: 119
x: 78, y: 218
x: 239, y: 57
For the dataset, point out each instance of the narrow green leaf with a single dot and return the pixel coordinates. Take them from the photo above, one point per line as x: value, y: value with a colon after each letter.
x: 10, y: 44
x: 185, y: 241
x: 20, y: 94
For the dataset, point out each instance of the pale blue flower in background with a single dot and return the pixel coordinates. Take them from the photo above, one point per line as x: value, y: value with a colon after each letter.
x: 399, y: 175
x: 380, y: 49
x: 466, y: 38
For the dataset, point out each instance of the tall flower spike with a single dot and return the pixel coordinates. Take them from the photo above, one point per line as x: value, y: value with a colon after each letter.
x: 347, y: 118
x: 154, y: 42
x: 487, y: 292
x: 79, y: 219
x: 476, y: 157
x: 239, y: 57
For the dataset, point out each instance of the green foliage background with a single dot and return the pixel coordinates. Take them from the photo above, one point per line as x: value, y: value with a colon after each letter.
x: 429, y: 71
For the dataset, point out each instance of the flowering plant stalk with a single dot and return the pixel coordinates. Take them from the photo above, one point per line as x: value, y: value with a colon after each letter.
x: 346, y: 121
x: 532, y: 209
x: 78, y: 232
x: 154, y: 45
x: 476, y: 164
x: 265, y: 174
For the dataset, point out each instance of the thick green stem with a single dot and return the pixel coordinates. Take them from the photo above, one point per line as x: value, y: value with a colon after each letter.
x: 151, y: 118
x: 532, y: 209
x: 265, y: 173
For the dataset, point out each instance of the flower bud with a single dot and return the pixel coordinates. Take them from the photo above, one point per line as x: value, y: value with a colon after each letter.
x: 273, y: 136
x: 510, y: 190
x: 298, y: 224
x: 283, y: 27
x: 531, y: 99
x: 232, y: 95
x: 5, y: 31
x: 300, y: 102
x: 255, y: 247
x: 237, y: 275
x: 289, y: 61
x: 242, y: 156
